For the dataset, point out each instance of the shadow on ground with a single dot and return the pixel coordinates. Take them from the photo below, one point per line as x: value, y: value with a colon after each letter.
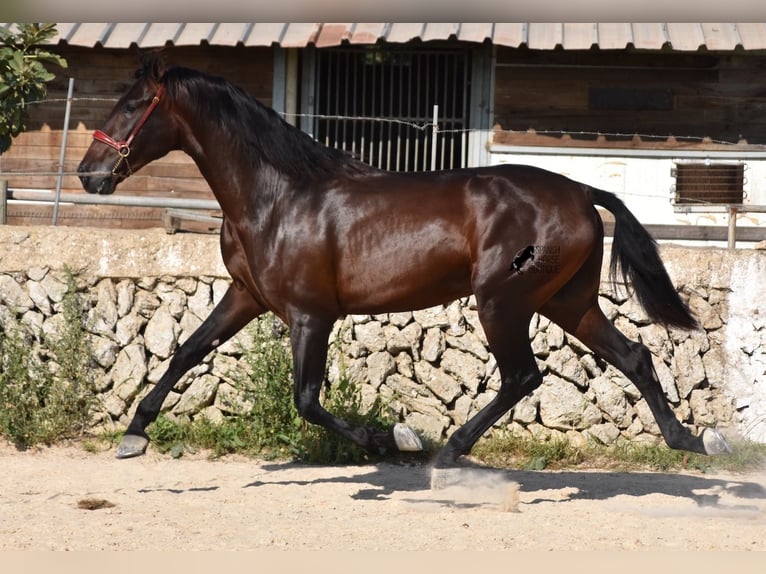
x: 535, y: 486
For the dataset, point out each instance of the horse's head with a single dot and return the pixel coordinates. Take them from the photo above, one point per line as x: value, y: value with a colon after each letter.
x: 139, y: 129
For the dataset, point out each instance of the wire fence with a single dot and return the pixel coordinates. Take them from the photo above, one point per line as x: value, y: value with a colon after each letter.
x: 423, y: 126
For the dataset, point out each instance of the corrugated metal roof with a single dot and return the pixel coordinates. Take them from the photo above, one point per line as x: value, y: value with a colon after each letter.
x: 534, y: 35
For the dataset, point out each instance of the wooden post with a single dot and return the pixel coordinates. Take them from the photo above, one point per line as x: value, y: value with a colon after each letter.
x: 3, y: 202
x: 732, y: 242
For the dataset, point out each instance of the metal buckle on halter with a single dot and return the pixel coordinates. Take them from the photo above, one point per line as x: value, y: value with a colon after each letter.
x: 123, y: 152
x: 123, y: 157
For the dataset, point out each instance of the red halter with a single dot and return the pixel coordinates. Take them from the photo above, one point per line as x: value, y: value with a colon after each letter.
x: 123, y: 147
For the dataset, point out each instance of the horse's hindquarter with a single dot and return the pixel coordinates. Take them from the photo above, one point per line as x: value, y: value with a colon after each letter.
x: 539, y: 224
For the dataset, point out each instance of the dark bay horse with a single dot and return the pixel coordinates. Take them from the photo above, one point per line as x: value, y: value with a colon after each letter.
x: 313, y: 234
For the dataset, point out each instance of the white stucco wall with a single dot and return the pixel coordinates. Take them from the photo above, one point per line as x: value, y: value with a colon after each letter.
x: 643, y: 180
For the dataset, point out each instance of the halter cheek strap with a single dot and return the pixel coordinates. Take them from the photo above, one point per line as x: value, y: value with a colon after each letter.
x: 123, y: 147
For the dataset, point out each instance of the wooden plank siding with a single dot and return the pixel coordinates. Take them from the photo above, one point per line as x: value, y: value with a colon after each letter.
x: 713, y: 95
x: 716, y: 96
x: 101, y: 76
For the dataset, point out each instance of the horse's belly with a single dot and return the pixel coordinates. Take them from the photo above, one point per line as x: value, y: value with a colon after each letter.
x: 403, y: 285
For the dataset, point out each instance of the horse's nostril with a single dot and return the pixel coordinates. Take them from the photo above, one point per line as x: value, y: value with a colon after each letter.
x: 83, y: 178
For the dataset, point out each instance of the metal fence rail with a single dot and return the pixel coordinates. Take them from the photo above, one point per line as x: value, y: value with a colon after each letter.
x: 126, y: 200
x: 175, y: 209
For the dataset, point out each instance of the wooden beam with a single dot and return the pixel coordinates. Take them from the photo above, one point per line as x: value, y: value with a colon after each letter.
x: 696, y: 232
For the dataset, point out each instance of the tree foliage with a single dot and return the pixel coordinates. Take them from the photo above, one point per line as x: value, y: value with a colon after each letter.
x: 23, y: 75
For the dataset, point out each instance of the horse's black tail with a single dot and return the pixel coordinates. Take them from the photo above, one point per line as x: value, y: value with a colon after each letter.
x: 636, y: 258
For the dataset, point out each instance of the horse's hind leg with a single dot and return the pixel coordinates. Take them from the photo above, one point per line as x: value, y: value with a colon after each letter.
x: 235, y: 310
x: 506, y: 330
x: 635, y: 361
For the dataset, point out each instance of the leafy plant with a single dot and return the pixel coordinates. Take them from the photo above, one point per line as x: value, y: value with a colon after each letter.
x: 267, y: 386
x: 25, y: 389
x: 73, y: 354
x: 45, y: 394
x: 23, y: 75
x: 275, y: 422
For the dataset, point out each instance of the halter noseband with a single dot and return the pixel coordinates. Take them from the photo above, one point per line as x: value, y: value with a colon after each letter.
x: 123, y: 147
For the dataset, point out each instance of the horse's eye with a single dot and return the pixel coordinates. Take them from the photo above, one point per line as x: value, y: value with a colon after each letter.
x: 129, y: 109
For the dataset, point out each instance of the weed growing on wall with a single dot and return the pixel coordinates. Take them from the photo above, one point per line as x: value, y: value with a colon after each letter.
x: 25, y: 389
x: 46, y: 387
x: 73, y: 356
x: 267, y: 386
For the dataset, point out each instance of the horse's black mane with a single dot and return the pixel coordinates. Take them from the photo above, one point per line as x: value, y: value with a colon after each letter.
x: 250, y: 125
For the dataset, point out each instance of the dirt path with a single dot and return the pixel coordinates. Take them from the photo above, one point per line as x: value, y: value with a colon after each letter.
x: 159, y: 503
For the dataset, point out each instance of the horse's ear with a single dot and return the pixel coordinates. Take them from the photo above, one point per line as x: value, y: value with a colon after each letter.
x: 152, y: 65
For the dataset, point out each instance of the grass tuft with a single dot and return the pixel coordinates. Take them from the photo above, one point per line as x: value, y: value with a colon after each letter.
x: 507, y: 450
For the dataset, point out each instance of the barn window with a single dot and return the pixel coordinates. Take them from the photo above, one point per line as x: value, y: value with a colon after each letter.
x: 397, y: 87
x: 709, y: 183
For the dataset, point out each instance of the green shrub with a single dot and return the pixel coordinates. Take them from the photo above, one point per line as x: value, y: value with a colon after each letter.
x: 23, y: 75
x: 266, y: 383
x: 46, y: 390
x: 26, y: 390
x: 276, y: 425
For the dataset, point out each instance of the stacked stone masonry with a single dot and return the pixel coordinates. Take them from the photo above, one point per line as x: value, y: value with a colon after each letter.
x: 145, y: 292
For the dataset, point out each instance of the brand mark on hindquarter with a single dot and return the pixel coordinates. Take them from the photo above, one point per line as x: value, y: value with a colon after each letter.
x: 536, y: 259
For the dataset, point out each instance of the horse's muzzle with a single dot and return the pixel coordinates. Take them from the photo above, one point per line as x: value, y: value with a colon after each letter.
x: 96, y: 184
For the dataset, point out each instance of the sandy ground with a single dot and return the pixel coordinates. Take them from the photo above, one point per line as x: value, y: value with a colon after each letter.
x: 65, y: 498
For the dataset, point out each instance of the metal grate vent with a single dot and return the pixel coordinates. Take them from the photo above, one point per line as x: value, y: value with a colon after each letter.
x: 709, y: 183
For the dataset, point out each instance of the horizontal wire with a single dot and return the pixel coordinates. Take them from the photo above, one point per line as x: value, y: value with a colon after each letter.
x: 64, y: 100
x: 425, y: 125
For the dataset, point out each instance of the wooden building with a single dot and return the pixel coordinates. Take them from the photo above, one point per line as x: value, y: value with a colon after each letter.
x: 670, y: 116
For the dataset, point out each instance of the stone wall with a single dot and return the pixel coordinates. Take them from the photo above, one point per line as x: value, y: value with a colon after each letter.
x: 146, y: 291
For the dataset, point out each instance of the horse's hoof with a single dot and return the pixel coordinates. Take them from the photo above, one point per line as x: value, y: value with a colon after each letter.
x: 131, y: 446
x: 714, y: 442
x: 406, y: 439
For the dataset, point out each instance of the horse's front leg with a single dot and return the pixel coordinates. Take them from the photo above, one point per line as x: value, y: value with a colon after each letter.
x: 235, y: 310
x: 309, y: 337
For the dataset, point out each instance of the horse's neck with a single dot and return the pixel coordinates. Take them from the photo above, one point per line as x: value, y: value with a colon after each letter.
x: 239, y: 187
